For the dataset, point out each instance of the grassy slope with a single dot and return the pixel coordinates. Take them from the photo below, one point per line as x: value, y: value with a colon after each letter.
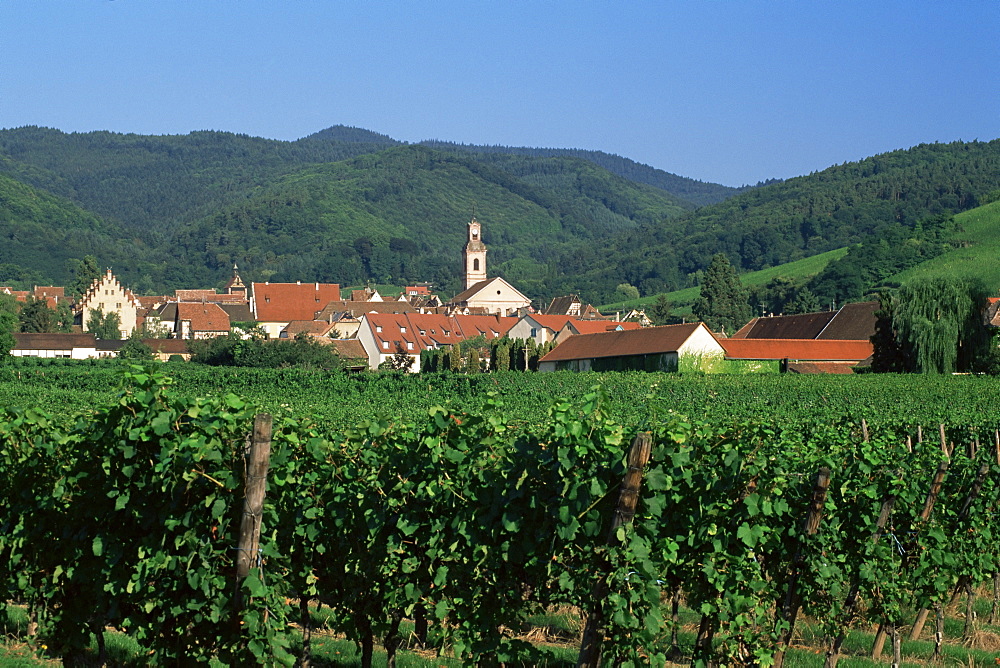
x: 976, y: 256
x: 681, y: 300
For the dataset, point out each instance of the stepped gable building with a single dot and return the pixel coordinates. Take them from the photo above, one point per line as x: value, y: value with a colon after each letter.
x: 108, y: 295
x: 483, y: 295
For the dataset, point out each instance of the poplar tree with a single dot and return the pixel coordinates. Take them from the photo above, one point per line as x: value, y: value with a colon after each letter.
x: 722, y: 304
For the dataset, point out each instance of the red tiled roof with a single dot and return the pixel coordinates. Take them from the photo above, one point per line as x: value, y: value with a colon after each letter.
x: 644, y: 341
x: 797, y: 349
x: 203, y: 317
x: 284, y: 302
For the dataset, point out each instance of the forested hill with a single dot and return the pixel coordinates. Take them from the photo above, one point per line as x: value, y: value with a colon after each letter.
x: 40, y: 233
x: 400, y: 215
x: 698, y: 193
x: 156, y: 181
x: 888, y: 195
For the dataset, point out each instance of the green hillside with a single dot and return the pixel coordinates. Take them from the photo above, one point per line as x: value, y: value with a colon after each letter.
x: 976, y: 252
x: 696, y: 193
x: 400, y: 215
x: 799, y: 271
x: 40, y: 233
x: 889, y: 195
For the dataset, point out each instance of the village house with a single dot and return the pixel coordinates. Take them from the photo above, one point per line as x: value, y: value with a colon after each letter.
x: 384, y: 335
x: 274, y: 305
x: 68, y: 346
x: 645, y: 349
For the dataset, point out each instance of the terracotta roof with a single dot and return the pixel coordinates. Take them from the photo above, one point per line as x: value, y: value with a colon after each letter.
x: 34, y: 341
x: 797, y: 349
x: 284, y: 302
x: 425, y: 330
x: 154, y: 301
x: 644, y: 341
x: 203, y: 317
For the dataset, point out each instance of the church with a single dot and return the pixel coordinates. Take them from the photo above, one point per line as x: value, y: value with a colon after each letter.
x: 483, y: 294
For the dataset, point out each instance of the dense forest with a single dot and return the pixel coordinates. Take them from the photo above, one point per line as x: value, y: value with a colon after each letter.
x: 350, y: 205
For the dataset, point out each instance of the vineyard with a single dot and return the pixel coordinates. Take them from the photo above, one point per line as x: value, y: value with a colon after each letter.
x: 467, y: 504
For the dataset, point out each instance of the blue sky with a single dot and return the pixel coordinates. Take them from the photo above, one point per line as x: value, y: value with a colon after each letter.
x: 729, y: 92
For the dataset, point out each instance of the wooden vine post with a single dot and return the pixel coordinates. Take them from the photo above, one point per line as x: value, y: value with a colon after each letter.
x: 628, y: 498
x: 255, y: 484
x: 793, y: 601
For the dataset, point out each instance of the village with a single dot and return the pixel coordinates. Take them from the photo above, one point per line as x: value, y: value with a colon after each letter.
x: 368, y: 330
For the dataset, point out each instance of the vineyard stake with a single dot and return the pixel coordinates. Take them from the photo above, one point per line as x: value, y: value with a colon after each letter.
x: 833, y: 654
x: 918, y: 624
x: 255, y: 484
x: 628, y: 498
x: 793, y: 601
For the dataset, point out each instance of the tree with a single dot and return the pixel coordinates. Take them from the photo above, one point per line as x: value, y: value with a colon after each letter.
x: 805, y: 302
x: 627, y: 291
x: 722, y: 304
x: 660, y: 311
x: 135, y: 349
x: 85, y: 272
x: 104, y: 325
x: 933, y: 326
x: 8, y: 324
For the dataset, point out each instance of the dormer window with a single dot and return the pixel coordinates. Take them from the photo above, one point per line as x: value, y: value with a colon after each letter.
x: 378, y: 328
x: 409, y: 345
x: 423, y: 332
x: 402, y: 329
x: 385, y: 344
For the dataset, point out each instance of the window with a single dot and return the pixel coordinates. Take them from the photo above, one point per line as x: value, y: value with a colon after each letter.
x: 378, y: 328
x: 402, y: 329
x: 385, y: 344
x: 475, y: 265
x: 409, y: 345
x: 423, y: 332
x: 118, y: 305
x: 534, y: 332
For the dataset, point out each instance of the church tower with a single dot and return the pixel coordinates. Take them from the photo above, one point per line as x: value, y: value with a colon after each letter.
x: 474, y: 255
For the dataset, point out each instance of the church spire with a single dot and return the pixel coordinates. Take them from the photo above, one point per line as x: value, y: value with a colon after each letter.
x: 474, y: 255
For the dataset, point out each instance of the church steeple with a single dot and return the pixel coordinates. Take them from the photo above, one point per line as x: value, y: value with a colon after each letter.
x: 474, y: 255
x: 235, y: 285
